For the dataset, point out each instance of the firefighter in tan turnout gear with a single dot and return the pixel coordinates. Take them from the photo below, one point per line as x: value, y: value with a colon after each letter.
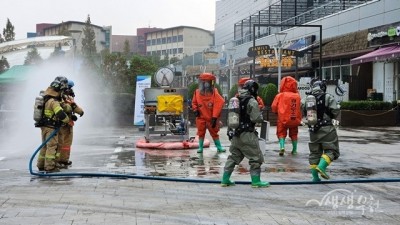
x: 53, y: 116
x: 65, y: 135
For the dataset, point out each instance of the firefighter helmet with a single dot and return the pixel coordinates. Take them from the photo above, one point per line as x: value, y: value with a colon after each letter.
x: 251, y: 86
x: 319, y: 84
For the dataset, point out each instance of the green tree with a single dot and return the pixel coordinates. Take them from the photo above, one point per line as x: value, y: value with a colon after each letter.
x: 139, y: 66
x: 120, y: 72
x: 33, y: 57
x: 158, y: 61
x: 114, y: 69
x: 89, y: 42
x: 58, y: 52
x: 8, y: 32
x: 127, y: 48
x: 4, y: 65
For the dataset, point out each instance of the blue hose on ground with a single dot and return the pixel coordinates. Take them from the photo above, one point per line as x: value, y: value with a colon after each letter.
x: 125, y: 176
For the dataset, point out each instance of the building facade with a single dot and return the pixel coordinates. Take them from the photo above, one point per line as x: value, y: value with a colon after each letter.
x: 343, y: 36
x: 118, y: 43
x: 178, y: 42
x: 75, y: 28
x: 141, y: 38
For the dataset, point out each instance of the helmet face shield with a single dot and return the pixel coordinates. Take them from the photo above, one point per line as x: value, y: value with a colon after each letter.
x: 206, y: 86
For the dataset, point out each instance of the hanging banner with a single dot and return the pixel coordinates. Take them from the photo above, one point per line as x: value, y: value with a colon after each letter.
x: 142, y: 82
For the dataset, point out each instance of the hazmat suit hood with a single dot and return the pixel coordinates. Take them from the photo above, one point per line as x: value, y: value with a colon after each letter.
x: 288, y: 84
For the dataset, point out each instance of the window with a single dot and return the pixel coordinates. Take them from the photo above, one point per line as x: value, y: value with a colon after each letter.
x: 336, y: 62
x: 169, y: 39
x: 180, y: 50
x: 336, y: 73
x: 174, y: 39
x: 164, y: 40
x: 153, y: 42
x: 180, y: 38
x: 326, y: 73
x: 338, y: 69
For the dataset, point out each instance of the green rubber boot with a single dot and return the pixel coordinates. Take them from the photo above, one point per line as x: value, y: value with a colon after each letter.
x: 281, y: 146
x: 217, y: 143
x: 201, y: 144
x: 294, y: 150
x: 314, y: 173
x: 323, y: 163
x: 257, y: 183
x: 226, y: 182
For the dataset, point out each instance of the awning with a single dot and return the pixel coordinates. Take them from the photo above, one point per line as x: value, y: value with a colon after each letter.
x: 380, y: 54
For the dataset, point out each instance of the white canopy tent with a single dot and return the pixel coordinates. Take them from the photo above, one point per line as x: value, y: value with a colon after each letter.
x: 44, y: 41
x: 16, y: 51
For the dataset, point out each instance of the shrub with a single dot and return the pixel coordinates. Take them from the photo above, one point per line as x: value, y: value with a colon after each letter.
x: 191, y: 89
x: 233, y: 91
x: 268, y: 93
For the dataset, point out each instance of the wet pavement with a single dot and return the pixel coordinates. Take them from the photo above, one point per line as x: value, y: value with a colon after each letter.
x: 366, y: 153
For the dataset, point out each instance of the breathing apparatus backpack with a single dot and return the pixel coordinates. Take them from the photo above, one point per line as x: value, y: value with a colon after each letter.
x: 233, y: 114
x: 38, y: 109
x: 311, y: 107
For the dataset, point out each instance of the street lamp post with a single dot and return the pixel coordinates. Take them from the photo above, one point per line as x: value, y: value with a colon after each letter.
x: 280, y: 37
x: 231, y: 64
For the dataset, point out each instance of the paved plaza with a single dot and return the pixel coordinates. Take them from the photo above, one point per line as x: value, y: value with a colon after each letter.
x: 366, y: 153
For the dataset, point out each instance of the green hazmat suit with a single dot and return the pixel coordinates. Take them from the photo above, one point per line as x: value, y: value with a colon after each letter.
x: 246, y: 145
x: 324, y: 142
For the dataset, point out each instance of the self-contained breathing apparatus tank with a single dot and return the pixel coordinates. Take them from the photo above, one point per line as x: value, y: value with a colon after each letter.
x: 233, y: 114
x: 38, y: 108
x: 311, y: 107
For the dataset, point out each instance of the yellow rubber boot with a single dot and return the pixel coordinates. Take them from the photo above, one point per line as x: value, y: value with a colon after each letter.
x: 323, y: 163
